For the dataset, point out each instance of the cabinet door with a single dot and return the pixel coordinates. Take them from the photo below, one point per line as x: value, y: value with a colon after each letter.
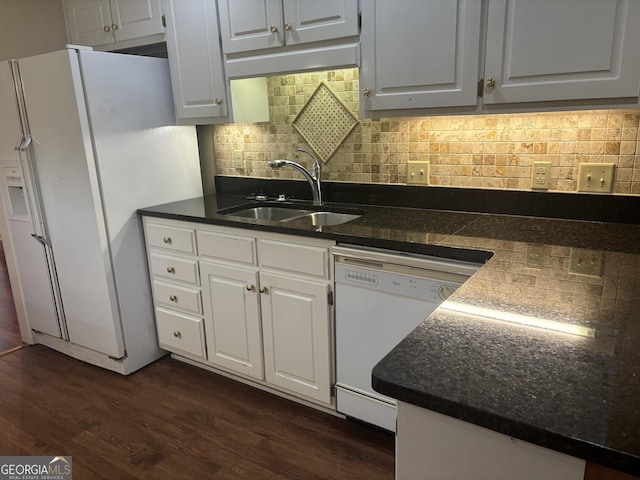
x: 312, y: 21
x: 88, y: 22
x: 561, y: 50
x: 419, y: 54
x: 248, y: 25
x: 296, y: 322
x: 232, y: 318
x: 195, y: 61
x: 136, y: 18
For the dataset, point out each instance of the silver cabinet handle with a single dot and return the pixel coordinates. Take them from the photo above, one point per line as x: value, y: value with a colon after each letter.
x: 490, y: 83
x: 177, y: 334
x: 107, y: 28
x: 114, y: 26
x: 218, y: 101
x: 250, y: 287
x: 274, y: 29
x: 167, y: 240
x: 263, y: 289
x: 288, y: 27
x: 173, y: 298
x: 171, y: 270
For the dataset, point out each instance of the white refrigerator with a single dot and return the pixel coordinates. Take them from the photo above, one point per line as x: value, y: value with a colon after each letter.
x: 87, y: 138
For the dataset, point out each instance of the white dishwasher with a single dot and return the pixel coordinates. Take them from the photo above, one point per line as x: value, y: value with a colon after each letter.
x: 381, y: 296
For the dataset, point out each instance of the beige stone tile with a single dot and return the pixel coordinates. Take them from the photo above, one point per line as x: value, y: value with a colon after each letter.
x: 379, y: 149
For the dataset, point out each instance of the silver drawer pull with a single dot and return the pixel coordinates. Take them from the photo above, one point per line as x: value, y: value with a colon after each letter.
x: 171, y: 270
x: 167, y: 240
x: 177, y: 334
x: 173, y: 298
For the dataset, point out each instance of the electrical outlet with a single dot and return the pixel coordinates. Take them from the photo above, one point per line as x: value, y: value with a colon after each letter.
x: 238, y: 159
x: 586, y: 262
x: 540, y: 175
x: 418, y: 173
x: 596, y: 177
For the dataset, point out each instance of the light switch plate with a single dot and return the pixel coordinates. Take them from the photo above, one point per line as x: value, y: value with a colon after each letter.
x: 418, y: 173
x: 534, y: 257
x: 596, y: 177
x: 238, y: 159
x: 587, y: 262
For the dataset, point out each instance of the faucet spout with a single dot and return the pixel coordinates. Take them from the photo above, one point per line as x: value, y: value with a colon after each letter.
x: 313, y: 177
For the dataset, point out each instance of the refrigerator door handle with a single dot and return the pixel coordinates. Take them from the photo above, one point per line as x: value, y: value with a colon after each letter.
x: 26, y: 143
x: 20, y: 143
x: 41, y: 239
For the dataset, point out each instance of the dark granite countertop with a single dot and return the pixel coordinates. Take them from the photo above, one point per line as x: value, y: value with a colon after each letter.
x: 542, y: 343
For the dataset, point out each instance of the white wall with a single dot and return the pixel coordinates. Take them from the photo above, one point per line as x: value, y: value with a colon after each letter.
x: 31, y: 27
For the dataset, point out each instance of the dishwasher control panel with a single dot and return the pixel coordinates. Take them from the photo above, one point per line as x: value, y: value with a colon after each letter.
x: 360, y: 276
x: 422, y: 286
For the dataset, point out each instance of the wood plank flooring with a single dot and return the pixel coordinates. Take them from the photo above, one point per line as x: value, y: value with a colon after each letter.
x: 174, y: 421
x: 9, y: 330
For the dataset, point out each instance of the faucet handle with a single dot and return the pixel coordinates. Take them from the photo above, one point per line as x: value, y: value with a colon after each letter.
x: 317, y: 169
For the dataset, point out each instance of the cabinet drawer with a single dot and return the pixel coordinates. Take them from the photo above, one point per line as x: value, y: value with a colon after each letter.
x: 179, y: 332
x: 172, y: 238
x: 174, y: 268
x: 305, y: 259
x: 176, y: 296
x: 225, y: 246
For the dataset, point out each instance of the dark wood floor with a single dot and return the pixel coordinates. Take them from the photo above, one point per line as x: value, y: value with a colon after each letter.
x: 9, y: 330
x: 174, y: 421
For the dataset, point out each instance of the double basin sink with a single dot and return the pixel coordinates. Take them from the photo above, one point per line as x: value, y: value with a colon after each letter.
x: 301, y: 216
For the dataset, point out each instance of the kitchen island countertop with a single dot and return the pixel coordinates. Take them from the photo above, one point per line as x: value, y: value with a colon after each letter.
x: 541, y: 344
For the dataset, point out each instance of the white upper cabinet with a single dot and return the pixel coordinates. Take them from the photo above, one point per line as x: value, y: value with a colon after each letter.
x: 195, y: 61
x: 420, y: 54
x: 539, y: 55
x: 248, y: 25
x: 136, y: 18
x: 549, y: 50
x: 113, y: 23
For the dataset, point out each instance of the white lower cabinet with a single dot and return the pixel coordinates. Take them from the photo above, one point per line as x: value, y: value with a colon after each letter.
x: 232, y: 316
x: 433, y: 446
x: 261, y: 307
x: 179, y: 332
x: 296, y: 331
x: 173, y: 269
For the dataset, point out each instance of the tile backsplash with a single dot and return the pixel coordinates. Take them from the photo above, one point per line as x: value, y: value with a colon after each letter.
x: 473, y: 151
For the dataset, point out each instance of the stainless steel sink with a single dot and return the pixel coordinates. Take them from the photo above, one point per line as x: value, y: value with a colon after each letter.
x: 320, y: 219
x: 301, y: 216
x: 268, y: 213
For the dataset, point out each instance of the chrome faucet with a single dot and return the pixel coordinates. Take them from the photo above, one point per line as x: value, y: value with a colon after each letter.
x: 312, y: 177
